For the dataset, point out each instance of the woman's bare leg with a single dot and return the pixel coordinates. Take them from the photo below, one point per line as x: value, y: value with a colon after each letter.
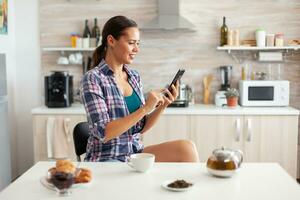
x: 174, y: 151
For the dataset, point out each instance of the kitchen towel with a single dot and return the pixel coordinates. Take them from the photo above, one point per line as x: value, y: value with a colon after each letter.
x: 59, y: 138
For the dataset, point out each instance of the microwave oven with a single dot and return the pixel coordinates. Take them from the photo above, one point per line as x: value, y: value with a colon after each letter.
x: 264, y: 93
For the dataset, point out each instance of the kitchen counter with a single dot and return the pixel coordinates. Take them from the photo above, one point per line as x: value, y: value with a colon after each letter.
x: 197, y: 109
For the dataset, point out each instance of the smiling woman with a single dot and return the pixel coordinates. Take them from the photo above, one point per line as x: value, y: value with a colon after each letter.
x: 114, y: 102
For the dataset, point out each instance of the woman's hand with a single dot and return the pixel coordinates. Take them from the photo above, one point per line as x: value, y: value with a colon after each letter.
x: 154, y: 98
x: 170, y: 96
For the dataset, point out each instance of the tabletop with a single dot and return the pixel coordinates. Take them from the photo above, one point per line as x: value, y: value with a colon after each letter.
x: 118, y: 181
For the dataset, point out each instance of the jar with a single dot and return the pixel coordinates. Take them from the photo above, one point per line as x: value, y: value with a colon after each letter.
x: 73, y: 40
x: 230, y: 38
x: 78, y: 42
x: 270, y: 40
x: 260, y: 36
x: 236, y: 38
x: 279, y: 42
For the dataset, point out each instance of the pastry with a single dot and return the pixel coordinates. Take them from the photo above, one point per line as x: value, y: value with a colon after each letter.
x: 65, y: 166
x: 83, y: 176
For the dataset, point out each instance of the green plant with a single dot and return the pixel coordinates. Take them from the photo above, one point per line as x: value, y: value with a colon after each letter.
x: 232, y: 92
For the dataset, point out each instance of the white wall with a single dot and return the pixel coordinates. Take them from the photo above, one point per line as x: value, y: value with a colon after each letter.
x: 28, y: 74
x: 21, y: 46
x: 7, y: 46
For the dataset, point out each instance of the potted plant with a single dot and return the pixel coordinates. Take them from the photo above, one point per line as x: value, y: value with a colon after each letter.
x: 232, y: 96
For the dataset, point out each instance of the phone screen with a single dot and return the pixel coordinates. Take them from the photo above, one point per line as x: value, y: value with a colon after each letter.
x: 177, y: 77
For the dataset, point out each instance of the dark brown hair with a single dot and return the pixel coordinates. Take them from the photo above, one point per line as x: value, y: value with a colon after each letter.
x: 115, y: 26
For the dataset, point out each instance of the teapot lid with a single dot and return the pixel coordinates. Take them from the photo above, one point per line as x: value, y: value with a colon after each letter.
x: 223, y: 154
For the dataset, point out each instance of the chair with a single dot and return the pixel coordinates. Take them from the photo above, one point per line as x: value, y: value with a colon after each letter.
x: 80, y: 137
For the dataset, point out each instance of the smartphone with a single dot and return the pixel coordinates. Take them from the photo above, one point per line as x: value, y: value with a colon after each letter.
x: 177, y: 77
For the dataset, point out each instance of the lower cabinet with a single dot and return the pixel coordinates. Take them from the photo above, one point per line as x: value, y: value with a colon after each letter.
x: 272, y: 139
x: 214, y: 131
x: 169, y: 127
x: 261, y: 138
x: 53, y: 136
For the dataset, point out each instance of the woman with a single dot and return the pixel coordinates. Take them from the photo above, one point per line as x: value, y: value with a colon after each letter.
x: 116, y: 109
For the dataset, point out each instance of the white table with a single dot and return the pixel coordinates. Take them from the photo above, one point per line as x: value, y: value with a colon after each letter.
x: 267, y: 181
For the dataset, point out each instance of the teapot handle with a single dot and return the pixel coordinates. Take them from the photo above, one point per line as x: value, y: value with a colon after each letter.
x: 241, y: 155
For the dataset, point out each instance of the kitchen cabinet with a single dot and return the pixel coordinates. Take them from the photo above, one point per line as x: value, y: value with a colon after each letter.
x: 264, y: 134
x: 214, y: 131
x: 272, y: 139
x: 40, y: 134
x: 261, y: 138
x: 169, y: 127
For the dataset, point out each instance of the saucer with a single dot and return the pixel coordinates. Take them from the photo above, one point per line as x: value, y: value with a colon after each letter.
x: 166, y: 183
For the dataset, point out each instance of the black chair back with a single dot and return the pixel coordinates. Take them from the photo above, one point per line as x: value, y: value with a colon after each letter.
x: 80, y: 137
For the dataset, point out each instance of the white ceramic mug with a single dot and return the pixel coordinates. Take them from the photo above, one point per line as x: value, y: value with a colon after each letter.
x: 141, y: 162
x: 63, y: 60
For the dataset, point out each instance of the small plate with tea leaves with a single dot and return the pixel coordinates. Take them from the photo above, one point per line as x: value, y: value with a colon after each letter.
x: 178, y: 185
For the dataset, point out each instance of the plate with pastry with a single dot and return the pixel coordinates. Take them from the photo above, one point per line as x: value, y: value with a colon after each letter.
x: 66, y: 174
x: 178, y: 185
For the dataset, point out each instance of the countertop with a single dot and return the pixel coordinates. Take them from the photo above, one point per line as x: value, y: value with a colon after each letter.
x: 197, y: 109
x: 110, y: 180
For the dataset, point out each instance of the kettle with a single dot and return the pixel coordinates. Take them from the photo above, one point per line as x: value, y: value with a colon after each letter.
x: 224, y: 162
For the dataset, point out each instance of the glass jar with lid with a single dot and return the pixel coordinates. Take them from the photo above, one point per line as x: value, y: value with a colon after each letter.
x: 279, y: 41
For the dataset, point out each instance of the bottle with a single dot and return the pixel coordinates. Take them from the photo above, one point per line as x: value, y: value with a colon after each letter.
x: 224, y: 30
x: 96, y: 32
x: 243, y: 73
x: 86, y: 32
x: 86, y: 36
x: 245, y: 69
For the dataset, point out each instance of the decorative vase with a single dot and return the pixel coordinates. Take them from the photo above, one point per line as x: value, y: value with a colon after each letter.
x: 232, y: 101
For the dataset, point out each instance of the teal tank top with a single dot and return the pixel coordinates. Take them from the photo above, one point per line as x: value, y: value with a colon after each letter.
x: 133, y: 102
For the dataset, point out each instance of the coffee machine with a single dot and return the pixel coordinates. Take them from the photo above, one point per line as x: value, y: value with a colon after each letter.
x: 184, y: 96
x: 58, y: 89
x: 225, y: 72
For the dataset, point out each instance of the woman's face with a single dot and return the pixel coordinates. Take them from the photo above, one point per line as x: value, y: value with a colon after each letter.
x: 125, y: 49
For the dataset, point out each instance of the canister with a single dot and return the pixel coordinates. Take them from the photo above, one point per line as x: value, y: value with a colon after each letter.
x: 270, y: 40
x: 279, y: 40
x: 230, y: 38
x: 260, y: 36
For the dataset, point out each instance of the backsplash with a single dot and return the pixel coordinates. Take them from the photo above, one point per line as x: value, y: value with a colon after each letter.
x: 163, y: 52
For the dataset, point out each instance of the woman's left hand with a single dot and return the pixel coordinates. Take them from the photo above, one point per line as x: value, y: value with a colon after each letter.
x: 170, y: 96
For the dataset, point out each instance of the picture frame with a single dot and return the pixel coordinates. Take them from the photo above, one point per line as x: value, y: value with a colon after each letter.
x: 3, y: 16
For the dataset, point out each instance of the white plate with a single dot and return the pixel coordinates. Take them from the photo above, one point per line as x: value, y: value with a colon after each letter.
x: 166, y: 183
x: 50, y: 186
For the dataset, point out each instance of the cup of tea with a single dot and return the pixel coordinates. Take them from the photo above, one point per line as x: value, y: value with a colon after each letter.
x: 141, y: 162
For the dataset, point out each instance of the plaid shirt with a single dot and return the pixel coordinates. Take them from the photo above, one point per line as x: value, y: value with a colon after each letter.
x: 104, y: 102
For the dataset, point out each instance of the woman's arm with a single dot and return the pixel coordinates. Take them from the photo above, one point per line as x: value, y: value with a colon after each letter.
x: 117, y: 127
x: 152, y: 118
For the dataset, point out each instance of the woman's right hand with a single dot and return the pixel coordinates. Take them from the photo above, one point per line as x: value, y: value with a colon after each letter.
x: 154, y: 98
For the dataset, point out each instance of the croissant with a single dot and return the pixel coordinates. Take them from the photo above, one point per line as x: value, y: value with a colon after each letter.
x: 83, y: 176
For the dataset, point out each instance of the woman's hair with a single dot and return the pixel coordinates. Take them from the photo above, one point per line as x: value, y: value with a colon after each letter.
x: 115, y: 26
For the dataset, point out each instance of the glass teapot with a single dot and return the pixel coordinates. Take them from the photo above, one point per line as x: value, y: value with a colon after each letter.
x: 224, y: 162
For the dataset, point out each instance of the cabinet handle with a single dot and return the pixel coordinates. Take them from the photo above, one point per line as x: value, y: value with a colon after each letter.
x: 237, y: 129
x: 249, y: 130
